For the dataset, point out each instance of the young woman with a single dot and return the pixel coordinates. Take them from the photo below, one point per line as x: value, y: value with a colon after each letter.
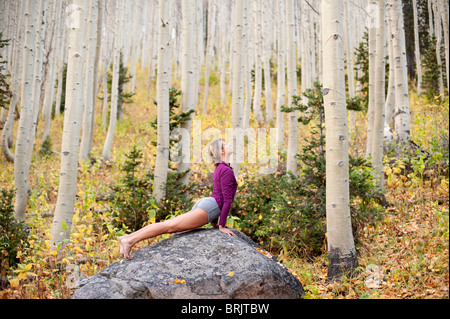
x: 206, y: 210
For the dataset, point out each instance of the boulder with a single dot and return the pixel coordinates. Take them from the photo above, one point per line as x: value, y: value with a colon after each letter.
x: 202, y: 263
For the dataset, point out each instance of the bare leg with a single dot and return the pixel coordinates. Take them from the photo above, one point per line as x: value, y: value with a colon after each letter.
x: 190, y: 220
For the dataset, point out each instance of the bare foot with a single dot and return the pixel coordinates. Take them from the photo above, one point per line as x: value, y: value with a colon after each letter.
x: 125, y: 247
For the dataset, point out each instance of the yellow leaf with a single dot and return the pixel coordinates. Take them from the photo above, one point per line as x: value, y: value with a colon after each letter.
x: 22, y: 275
x: 14, y: 283
x: 230, y: 274
x: 28, y: 267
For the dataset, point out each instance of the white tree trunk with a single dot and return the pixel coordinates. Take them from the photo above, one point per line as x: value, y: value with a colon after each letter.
x: 379, y: 101
x: 16, y: 70
x: 292, y: 88
x: 209, y: 50
x: 248, y: 62
x: 258, y: 58
x: 163, y: 82
x: 401, y: 116
x: 89, y: 100
x: 443, y: 8
x: 417, y: 49
x: 21, y: 166
x: 371, y: 91
x: 115, y: 83
x: 390, y: 98
x: 341, y: 248
x: 281, y: 71
x: 238, y: 69
x: 187, y: 82
x: 50, y: 83
x: 350, y: 65
x: 63, y: 51
x: 266, y: 44
x: 65, y: 203
x: 438, y: 33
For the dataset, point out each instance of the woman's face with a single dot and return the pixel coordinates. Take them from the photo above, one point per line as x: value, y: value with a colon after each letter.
x: 227, y: 149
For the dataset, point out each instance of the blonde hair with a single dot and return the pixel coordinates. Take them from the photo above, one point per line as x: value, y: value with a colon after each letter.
x: 215, y: 151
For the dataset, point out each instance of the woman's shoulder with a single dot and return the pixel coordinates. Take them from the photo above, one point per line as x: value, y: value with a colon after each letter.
x: 227, y: 173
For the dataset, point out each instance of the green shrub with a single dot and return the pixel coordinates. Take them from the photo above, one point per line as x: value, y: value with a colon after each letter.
x: 131, y: 201
x: 12, y: 233
x: 285, y: 212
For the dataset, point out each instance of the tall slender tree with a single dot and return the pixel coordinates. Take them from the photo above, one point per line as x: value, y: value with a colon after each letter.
x: 163, y: 83
x: 401, y: 113
x: 281, y: 70
x: 258, y: 58
x: 417, y: 48
x: 187, y: 81
x: 341, y: 248
x: 238, y: 69
x: 379, y: 100
x: 90, y: 90
x: 21, y: 165
x: 443, y: 9
x: 115, y: 82
x: 292, y: 87
x: 73, y: 116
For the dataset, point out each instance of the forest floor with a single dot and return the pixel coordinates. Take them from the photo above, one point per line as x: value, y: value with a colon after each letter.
x: 403, y: 255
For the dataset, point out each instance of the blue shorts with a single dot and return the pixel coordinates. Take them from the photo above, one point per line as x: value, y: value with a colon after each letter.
x: 209, y: 205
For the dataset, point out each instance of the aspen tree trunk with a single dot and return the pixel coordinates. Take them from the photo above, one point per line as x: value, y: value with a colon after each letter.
x: 281, y: 71
x: 50, y: 83
x: 248, y: 62
x: 379, y: 101
x: 238, y: 84
x: 63, y: 51
x: 187, y: 81
x: 350, y: 66
x: 223, y: 14
x: 371, y: 94
x: 417, y: 49
x: 21, y: 167
x: 266, y: 44
x: 341, y: 248
x: 292, y: 88
x: 65, y: 203
x: 209, y: 50
x: 115, y: 83
x: 438, y: 33
x: 134, y: 46
x: 401, y: 116
x: 199, y: 47
x: 87, y: 135
x: 443, y: 8
x: 305, y: 48
x: 390, y: 98
x: 163, y: 82
x: 16, y: 70
x: 258, y: 58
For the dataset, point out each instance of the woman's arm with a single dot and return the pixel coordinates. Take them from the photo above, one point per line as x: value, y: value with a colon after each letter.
x: 227, y: 181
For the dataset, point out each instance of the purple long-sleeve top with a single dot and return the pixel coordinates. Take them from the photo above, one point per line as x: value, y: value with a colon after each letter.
x: 224, y: 190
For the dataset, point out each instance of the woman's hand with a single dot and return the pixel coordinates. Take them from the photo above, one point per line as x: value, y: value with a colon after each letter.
x: 225, y: 230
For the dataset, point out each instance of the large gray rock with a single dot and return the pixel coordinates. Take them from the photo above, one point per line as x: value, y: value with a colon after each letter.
x: 202, y: 263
